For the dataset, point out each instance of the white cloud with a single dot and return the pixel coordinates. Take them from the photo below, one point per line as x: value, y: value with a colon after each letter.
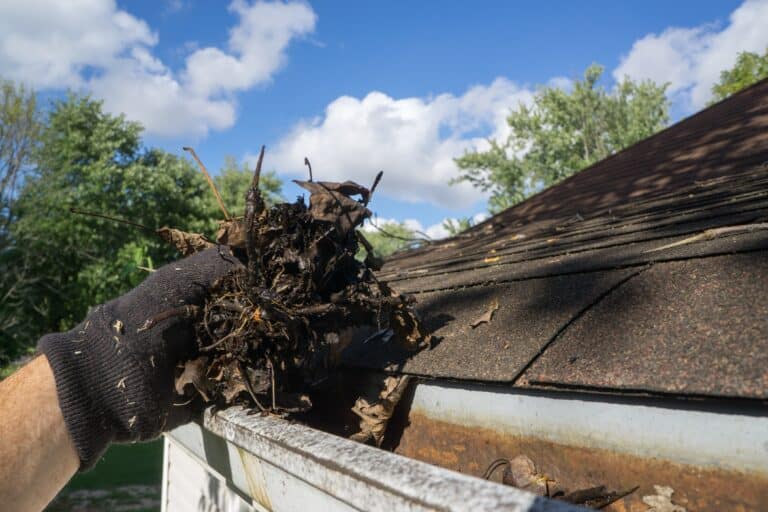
x: 691, y: 59
x: 256, y: 48
x: 414, y: 140
x: 51, y: 44
x: 93, y: 45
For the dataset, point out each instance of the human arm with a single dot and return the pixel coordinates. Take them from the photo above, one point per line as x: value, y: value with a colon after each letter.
x: 107, y: 380
x: 37, y: 456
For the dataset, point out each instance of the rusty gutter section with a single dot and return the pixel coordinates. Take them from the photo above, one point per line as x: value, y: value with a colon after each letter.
x: 713, y: 458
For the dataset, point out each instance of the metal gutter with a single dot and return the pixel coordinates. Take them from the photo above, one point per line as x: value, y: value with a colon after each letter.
x: 724, y: 438
x: 280, y: 466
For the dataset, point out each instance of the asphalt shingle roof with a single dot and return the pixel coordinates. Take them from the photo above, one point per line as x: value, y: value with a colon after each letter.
x: 592, y: 291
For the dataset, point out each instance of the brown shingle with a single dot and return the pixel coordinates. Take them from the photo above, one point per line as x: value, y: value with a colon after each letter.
x: 691, y: 327
x: 691, y: 321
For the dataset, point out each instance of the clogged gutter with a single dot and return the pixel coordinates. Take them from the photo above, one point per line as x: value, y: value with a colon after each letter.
x: 272, y: 331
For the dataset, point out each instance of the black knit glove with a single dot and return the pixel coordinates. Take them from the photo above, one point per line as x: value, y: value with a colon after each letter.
x: 115, y: 380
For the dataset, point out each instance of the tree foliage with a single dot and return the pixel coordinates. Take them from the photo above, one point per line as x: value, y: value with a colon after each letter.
x: 19, y: 131
x: 63, y: 262
x: 456, y: 226
x: 234, y: 180
x: 390, y: 237
x: 750, y: 67
x: 94, y: 161
x: 562, y: 132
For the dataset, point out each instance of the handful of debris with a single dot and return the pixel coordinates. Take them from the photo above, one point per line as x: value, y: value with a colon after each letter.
x: 274, y: 328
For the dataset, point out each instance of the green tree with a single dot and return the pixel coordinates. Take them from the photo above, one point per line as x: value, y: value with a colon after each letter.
x: 95, y: 161
x: 391, y: 237
x: 234, y: 180
x: 562, y: 132
x: 456, y: 226
x: 19, y: 131
x: 750, y: 67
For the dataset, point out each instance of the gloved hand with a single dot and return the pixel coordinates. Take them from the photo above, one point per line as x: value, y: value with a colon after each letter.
x: 115, y: 380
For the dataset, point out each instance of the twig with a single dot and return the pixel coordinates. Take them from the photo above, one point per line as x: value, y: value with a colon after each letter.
x: 249, y: 388
x: 376, y: 181
x: 210, y: 181
x: 364, y: 241
x: 232, y: 334
x: 425, y: 237
x: 306, y: 162
x: 257, y: 170
x: 254, y: 206
x: 108, y: 217
x: 493, y: 467
x: 712, y: 233
x: 272, y: 375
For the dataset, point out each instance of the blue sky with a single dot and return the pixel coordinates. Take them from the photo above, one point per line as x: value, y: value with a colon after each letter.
x: 360, y: 86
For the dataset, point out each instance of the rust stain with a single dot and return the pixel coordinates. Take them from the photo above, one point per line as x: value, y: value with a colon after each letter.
x: 255, y: 476
x: 470, y: 450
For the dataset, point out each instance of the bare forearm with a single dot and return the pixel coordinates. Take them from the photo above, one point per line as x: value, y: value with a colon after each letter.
x: 37, y: 456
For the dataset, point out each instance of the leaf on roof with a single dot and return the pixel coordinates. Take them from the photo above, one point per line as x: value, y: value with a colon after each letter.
x: 486, y: 317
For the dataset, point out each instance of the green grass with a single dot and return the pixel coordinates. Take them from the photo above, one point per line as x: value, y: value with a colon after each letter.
x: 124, y: 464
x: 121, y: 467
x: 7, y: 370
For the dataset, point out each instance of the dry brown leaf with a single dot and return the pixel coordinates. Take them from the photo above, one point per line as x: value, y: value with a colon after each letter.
x: 408, y: 331
x: 331, y: 202
x: 375, y: 416
x: 231, y: 233
x: 662, y: 500
x: 194, y: 373
x: 186, y: 243
x: 486, y: 317
x: 232, y: 389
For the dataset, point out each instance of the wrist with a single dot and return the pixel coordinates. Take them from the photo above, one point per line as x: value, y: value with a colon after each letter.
x: 98, y: 387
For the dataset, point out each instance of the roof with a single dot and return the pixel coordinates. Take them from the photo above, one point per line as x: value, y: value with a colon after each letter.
x: 644, y: 273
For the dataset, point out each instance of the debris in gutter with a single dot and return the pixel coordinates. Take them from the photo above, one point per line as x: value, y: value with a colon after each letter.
x: 374, y: 416
x: 521, y: 472
x: 272, y: 331
x: 486, y: 317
